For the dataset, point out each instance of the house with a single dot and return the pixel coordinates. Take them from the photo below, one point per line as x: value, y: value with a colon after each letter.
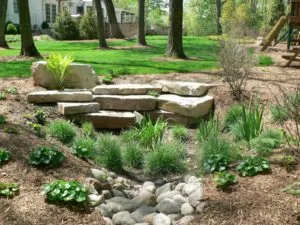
x: 47, y: 10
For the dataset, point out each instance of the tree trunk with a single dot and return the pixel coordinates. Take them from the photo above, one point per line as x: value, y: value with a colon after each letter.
x: 3, y: 10
x: 27, y: 45
x: 141, y: 27
x: 219, y: 15
x: 112, y: 18
x: 175, y: 48
x: 100, y: 24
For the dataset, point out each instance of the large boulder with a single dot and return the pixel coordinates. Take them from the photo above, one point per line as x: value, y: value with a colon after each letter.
x: 168, y: 206
x: 79, y: 76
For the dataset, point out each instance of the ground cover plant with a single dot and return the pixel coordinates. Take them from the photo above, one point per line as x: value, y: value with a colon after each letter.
x: 4, y: 156
x: 46, y: 156
x: 133, y: 155
x: 2, y: 119
x: 63, y: 130
x: 41, y: 116
x: 9, y: 189
x: 88, y: 130
x: 252, y: 166
x: 224, y: 180
x: 84, y: 148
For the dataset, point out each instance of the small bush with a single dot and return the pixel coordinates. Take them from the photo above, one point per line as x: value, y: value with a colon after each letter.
x: 45, y: 156
x: 233, y: 115
x: 4, y: 156
x: 66, y: 27
x: 39, y: 130
x: 11, y: 29
x: 84, y: 148
x: 165, y: 159
x: 41, y: 116
x: 2, y: 119
x: 9, y: 189
x: 207, y: 129
x: 180, y: 133
x: 224, y: 179
x: 88, y: 25
x: 216, y: 163
x: 289, y: 162
x: 108, y: 79
x: 88, y: 130
x: 252, y: 166
x: 133, y: 156
x: 279, y: 114
x: 108, y: 153
x: 71, y: 192
x: 45, y: 25
x: 63, y: 130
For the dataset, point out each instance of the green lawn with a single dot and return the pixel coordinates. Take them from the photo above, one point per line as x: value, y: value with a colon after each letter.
x: 127, y: 61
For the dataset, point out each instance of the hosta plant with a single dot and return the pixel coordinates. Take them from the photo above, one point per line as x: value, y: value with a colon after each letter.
x: 45, y: 156
x: 252, y: 166
x: 62, y: 191
x: 216, y: 163
x: 9, y: 189
x: 224, y: 179
x: 4, y: 156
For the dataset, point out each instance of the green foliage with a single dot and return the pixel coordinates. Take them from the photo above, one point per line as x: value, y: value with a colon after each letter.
x: 180, y: 133
x: 2, y: 95
x: 108, y: 79
x: 11, y: 130
x: 131, y: 135
x: 289, y: 162
x: 153, y: 93
x: 277, y: 10
x: 58, y: 66
x: 216, y: 163
x: 71, y: 192
x: 233, y: 115
x: 207, y: 129
x: 63, y: 130
x: 280, y: 114
x: 11, y: 29
x: 224, y: 179
x: 4, y: 156
x: 41, y: 116
x: 165, y: 159
x: 45, y: 25
x: 2, y: 119
x: 84, y: 148
x: 265, y: 60
x: 66, y: 27
x: 46, y: 156
x: 12, y: 90
x: 133, y: 155
x: 88, y: 25
x: 88, y: 130
x: 108, y: 153
x: 9, y: 189
x: 39, y: 130
x: 293, y: 189
x: 252, y: 166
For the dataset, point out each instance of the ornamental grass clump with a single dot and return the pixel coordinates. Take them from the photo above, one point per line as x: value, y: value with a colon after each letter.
x: 62, y: 130
x: 133, y: 155
x: 84, y: 148
x: 208, y: 128
x: 180, y: 133
x: 88, y: 130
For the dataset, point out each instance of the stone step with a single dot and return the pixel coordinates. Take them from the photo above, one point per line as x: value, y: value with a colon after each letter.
x: 69, y: 108
x: 59, y: 96
x: 187, y: 106
x: 126, y: 89
x: 126, y: 102
x: 110, y: 119
x: 185, y: 88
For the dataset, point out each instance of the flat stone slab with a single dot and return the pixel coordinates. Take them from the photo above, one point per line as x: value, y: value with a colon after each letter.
x: 187, y: 106
x: 111, y: 119
x: 185, y: 88
x: 68, y: 108
x: 126, y: 89
x: 59, y: 96
x: 126, y: 102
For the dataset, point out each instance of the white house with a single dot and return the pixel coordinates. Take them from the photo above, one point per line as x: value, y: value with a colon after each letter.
x: 47, y: 10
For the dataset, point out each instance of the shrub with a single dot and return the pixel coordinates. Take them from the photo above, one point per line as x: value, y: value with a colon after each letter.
x: 9, y: 189
x: 88, y: 25
x: 88, y: 130
x: 11, y: 29
x: 66, y: 27
x: 133, y: 156
x: 165, y: 159
x: 63, y: 130
x: 84, y: 147
x: 41, y: 116
x: 180, y: 133
x: 58, y: 66
x: 108, y: 79
x: 224, y: 179
x: 71, y: 192
x: 252, y: 166
x: 216, y: 163
x: 207, y: 129
x: 236, y: 63
x: 4, y: 156
x: 45, y: 156
x: 108, y: 153
x: 45, y: 25
x: 233, y: 115
x: 2, y: 119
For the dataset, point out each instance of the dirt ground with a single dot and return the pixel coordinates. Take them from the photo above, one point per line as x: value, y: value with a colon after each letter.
x: 254, y: 201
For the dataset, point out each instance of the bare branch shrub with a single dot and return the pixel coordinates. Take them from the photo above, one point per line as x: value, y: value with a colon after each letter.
x: 236, y: 62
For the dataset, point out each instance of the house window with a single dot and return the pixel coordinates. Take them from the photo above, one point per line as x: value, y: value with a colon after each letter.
x: 80, y: 10
x: 16, y: 7
x: 48, y: 13
x: 53, y: 13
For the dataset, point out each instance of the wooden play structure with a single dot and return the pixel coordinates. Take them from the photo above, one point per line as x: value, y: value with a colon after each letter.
x: 293, y: 20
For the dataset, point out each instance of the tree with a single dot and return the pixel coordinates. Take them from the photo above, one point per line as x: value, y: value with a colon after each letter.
x: 100, y: 25
x: 27, y: 45
x: 219, y: 15
x: 112, y: 18
x: 277, y: 11
x: 3, y: 10
x: 141, y: 28
x: 175, y: 47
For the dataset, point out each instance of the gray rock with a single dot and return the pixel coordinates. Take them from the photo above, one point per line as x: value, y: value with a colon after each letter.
x: 168, y: 206
x: 126, y: 89
x: 149, y: 186
x: 141, y: 212
x: 187, y: 209
x: 165, y: 188
x: 108, y: 221
x: 161, y: 219
x: 71, y: 108
x: 112, y: 175
x: 123, y: 218
x: 96, y: 200
x: 149, y: 218
x: 117, y: 193
x: 110, y: 180
x: 104, y: 210
x: 142, y: 224
x: 180, y: 199
x: 99, y: 175
x: 41, y: 97
x: 131, y: 193
x: 107, y: 194
x: 168, y: 194
x: 174, y: 217
x: 201, y: 207
x: 193, y: 179
x: 179, y: 187
x: 186, y: 220
x: 119, y: 204
x: 144, y: 198
x: 196, y: 197
x: 188, y: 189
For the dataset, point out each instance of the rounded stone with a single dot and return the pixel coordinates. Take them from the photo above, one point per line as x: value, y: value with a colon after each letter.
x: 168, y: 206
x: 161, y: 219
x: 187, y: 209
x: 123, y: 218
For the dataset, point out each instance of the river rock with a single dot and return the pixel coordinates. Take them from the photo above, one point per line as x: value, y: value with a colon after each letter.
x: 123, y: 218
x: 141, y: 212
x: 187, y: 209
x: 161, y: 219
x: 168, y: 206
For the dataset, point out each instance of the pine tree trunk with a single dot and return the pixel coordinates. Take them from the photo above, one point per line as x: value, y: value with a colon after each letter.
x: 141, y: 27
x: 175, y: 48
x: 112, y: 18
x: 27, y: 44
x: 100, y: 24
x: 219, y: 15
x: 3, y: 10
